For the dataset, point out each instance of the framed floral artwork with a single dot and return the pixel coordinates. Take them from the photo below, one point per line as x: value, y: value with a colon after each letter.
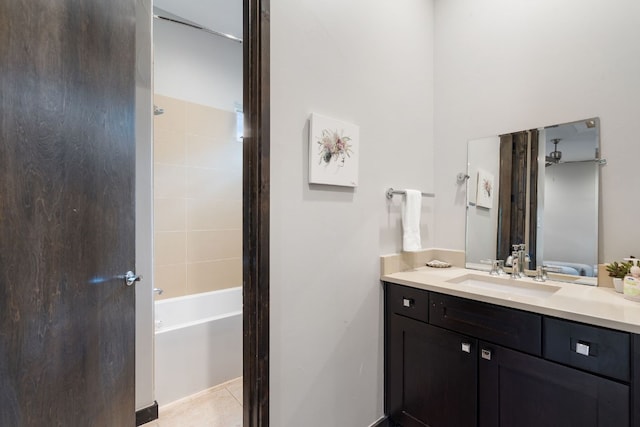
x: 333, y: 151
x: 485, y: 191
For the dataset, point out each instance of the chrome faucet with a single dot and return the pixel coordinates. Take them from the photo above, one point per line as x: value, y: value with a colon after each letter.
x: 522, y: 259
x: 497, y: 266
x: 519, y: 259
x: 541, y: 274
x: 515, y: 264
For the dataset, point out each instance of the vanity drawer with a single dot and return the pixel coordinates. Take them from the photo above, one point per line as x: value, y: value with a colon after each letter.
x: 587, y: 347
x: 516, y: 329
x: 409, y: 302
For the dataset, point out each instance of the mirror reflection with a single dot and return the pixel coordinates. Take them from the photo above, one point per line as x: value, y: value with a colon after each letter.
x: 537, y: 188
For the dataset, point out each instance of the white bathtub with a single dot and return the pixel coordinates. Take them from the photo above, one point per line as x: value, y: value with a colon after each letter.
x: 198, y: 343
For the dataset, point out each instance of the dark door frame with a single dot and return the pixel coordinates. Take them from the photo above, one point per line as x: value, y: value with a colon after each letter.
x: 255, y: 228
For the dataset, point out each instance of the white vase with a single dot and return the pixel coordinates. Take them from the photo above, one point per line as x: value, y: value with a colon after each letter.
x: 618, y: 284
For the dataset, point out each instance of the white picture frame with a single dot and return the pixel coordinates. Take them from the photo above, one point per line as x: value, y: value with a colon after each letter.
x: 485, y: 190
x: 334, y: 148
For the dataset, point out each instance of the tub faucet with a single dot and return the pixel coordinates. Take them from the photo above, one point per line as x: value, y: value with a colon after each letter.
x: 157, y: 291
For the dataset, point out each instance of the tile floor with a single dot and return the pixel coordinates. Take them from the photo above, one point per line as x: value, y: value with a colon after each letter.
x: 220, y: 406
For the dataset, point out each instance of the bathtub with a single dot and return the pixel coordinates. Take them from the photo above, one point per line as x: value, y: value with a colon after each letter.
x: 198, y: 343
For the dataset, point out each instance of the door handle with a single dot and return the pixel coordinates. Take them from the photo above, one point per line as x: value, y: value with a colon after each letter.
x: 130, y: 278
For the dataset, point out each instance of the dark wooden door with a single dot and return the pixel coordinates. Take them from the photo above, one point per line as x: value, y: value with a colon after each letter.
x: 516, y: 389
x: 431, y: 375
x: 66, y: 212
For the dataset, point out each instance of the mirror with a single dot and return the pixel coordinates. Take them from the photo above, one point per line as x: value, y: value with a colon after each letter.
x: 538, y: 187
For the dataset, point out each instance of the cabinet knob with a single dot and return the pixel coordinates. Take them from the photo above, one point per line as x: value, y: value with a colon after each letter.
x: 485, y: 354
x: 407, y: 302
x: 466, y: 347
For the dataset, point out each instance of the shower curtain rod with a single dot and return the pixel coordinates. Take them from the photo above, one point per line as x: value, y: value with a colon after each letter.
x: 198, y: 27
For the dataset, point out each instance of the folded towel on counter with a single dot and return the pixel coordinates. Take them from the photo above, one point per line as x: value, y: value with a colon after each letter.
x: 411, y: 221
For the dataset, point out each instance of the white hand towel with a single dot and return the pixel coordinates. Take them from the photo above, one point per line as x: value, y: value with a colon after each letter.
x: 411, y: 221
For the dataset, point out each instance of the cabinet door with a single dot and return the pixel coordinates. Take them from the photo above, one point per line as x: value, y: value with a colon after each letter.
x: 431, y: 375
x: 516, y: 389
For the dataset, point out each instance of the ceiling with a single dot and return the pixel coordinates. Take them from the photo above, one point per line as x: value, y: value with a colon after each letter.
x: 224, y: 16
x: 577, y: 141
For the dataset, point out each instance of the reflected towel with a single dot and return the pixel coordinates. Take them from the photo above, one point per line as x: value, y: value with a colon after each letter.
x: 411, y: 221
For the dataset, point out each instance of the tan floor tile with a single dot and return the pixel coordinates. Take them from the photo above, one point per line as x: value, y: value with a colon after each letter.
x: 235, y: 388
x: 216, y: 407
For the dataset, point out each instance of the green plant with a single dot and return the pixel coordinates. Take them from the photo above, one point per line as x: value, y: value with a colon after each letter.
x: 619, y: 270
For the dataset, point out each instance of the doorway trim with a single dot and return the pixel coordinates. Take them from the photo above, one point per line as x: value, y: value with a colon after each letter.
x: 255, y: 256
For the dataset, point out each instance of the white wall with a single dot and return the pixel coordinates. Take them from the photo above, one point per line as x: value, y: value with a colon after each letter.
x: 144, y: 203
x: 196, y: 66
x: 368, y: 64
x: 482, y: 223
x: 505, y: 65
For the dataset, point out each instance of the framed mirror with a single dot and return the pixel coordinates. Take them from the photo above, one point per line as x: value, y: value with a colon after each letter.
x: 537, y: 187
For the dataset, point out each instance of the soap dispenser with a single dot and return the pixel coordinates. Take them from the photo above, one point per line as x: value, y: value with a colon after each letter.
x: 632, y: 281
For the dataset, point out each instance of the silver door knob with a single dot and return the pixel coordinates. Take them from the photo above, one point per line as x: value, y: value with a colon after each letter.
x: 130, y: 278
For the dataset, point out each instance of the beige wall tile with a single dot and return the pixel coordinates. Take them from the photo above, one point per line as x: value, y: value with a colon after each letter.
x: 169, y: 214
x: 169, y: 181
x: 170, y: 247
x: 213, y: 153
x: 211, y: 276
x: 169, y: 147
x: 172, y: 279
x: 209, y: 122
x: 213, y: 245
x: 197, y: 187
x: 214, y: 184
x: 174, y: 117
x: 204, y: 214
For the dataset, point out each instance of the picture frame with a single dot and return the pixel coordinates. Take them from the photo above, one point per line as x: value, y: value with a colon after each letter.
x: 334, y: 148
x: 485, y: 190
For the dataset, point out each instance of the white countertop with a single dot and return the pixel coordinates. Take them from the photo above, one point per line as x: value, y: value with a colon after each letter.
x: 588, y: 304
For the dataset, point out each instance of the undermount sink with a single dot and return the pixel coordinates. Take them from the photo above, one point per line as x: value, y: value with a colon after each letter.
x: 507, y: 286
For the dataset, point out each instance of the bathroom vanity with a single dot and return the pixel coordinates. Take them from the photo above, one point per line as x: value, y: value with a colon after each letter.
x: 463, y: 348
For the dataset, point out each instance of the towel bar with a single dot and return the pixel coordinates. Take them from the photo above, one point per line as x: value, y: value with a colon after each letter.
x: 391, y: 192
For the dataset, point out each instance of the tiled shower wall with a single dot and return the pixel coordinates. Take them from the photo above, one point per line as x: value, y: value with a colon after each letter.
x: 197, y: 199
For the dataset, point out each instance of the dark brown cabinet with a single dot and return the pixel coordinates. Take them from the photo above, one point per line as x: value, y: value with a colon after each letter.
x: 454, y: 362
x: 520, y: 390
x: 432, y: 374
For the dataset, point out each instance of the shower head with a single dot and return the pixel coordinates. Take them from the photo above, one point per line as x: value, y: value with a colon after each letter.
x: 157, y: 110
